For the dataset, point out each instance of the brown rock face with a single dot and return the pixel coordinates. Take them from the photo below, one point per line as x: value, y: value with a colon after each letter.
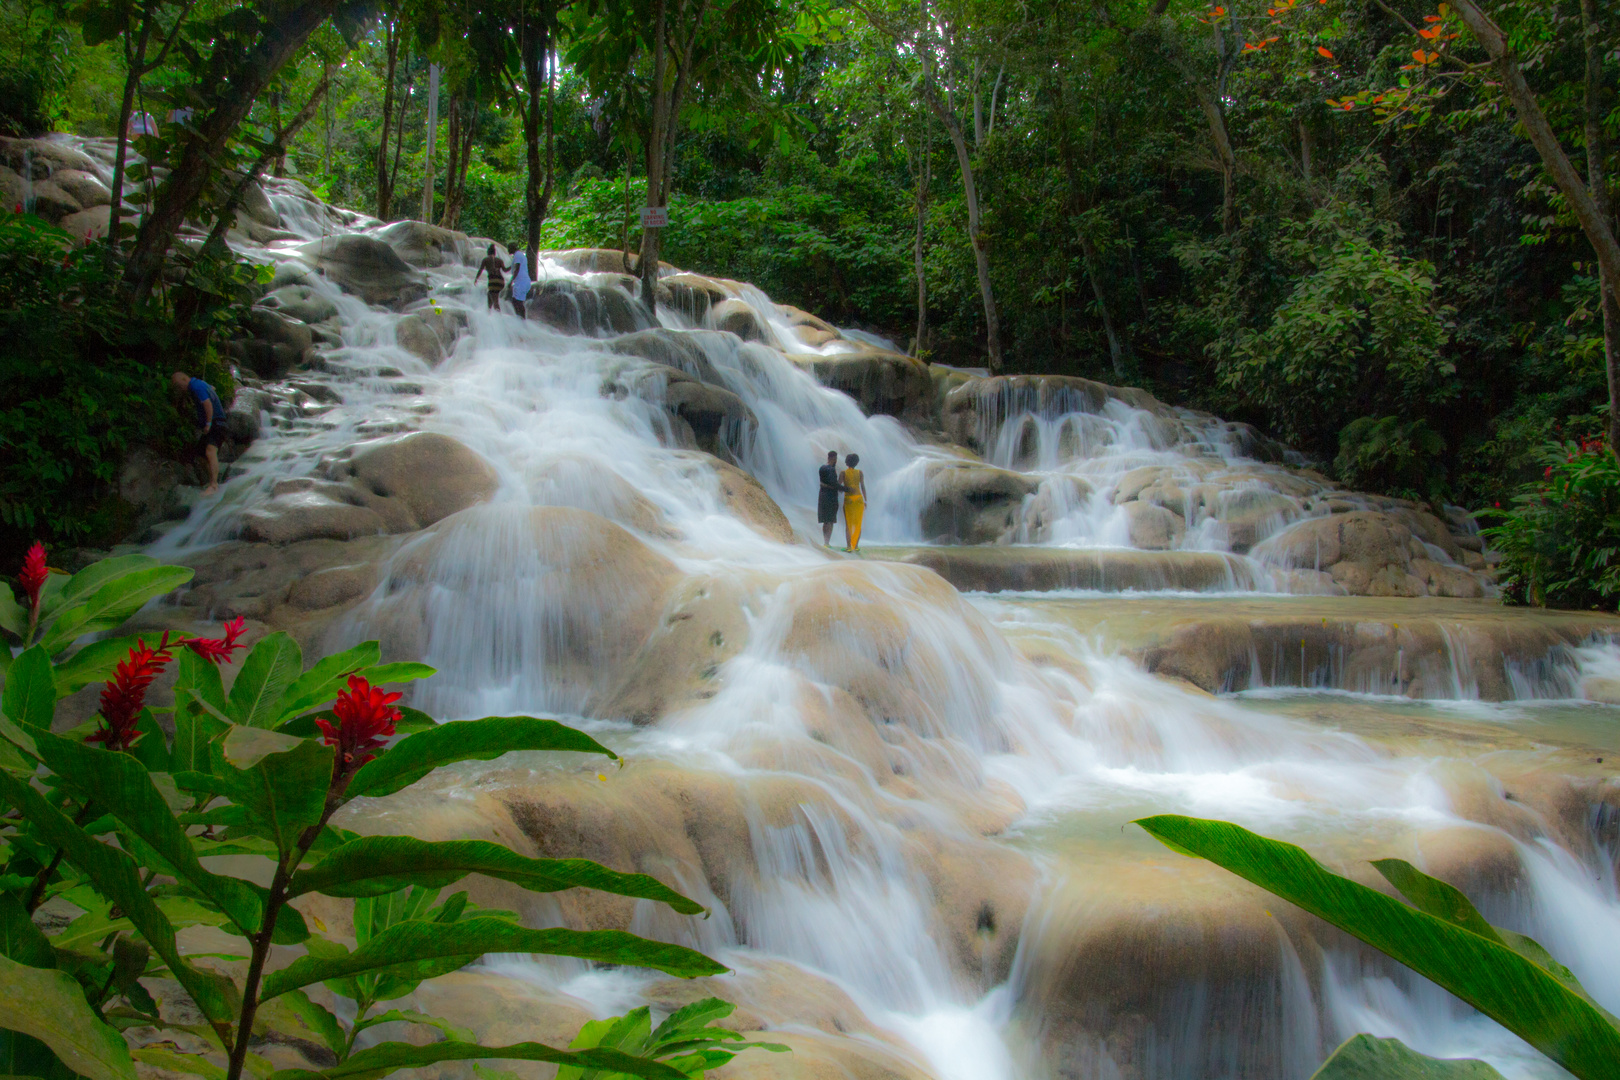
x: 736, y: 317
x: 366, y: 267
x: 882, y: 383
x: 747, y: 499
x: 427, y: 246
x: 1369, y: 553
x: 393, y: 485
x: 971, y: 503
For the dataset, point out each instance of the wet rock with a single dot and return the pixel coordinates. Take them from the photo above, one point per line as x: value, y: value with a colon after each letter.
x: 431, y: 475
x: 242, y: 418
x: 44, y: 157
x: 587, y: 483
x: 308, y: 514
x: 692, y: 294
x: 970, y: 503
x: 426, y: 246
x: 11, y: 188
x: 86, y: 190
x: 1250, y: 515
x: 52, y: 202
x: 259, y: 580
x: 1367, y: 553
x: 366, y: 267
x: 332, y: 586
x: 734, y: 316
x: 1153, y: 528
x: 597, y: 261
x: 417, y: 337
x: 974, y: 410
x: 882, y: 383
x: 578, y: 308
x: 677, y: 372
x: 1056, y: 498
x: 301, y: 302
x: 746, y: 498
x: 93, y: 222
x: 1031, y: 569
x: 277, y: 346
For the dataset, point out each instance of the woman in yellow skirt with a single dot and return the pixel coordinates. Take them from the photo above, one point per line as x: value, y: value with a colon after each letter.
x: 854, y: 502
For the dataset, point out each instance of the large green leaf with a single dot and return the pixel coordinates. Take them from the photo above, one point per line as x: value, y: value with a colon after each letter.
x: 403, y: 946
x: 30, y: 694
x: 268, y: 671
x: 20, y: 939
x: 123, y: 787
x: 1513, y: 990
x: 13, y: 616
x: 384, y: 1058
x: 102, y: 571
x: 283, y: 793
x: 194, y: 733
x: 49, y: 1006
x: 110, y: 604
x: 95, y: 662
x: 414, y: 756
x: 322, y: 681
x: 198, y: 688
x: 116, y: 877
x: 1363, y: 1057
x: 380, y: 864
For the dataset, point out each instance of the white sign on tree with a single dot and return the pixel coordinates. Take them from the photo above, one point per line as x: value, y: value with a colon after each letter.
x: 654, y: 217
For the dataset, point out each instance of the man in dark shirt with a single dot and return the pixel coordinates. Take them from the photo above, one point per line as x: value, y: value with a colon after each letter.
x: 497, y: 277
x: 827, y: 502
x: 211, y: 429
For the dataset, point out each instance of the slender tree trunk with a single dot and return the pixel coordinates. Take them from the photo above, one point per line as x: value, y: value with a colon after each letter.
x: 919, y: 345
x: 385, y: 180
x: 432, y: 136
x: 135, y: 61
x: 190, y: 175
x: 1597, y: 178
x: 650, y: 237
x: 981, y: 257
x: 1215, y: 116
x: 535, y: 50
x: 1304, y: 151
x: 533, y: 239
x: 1118, y: 349
x: 461, y: 128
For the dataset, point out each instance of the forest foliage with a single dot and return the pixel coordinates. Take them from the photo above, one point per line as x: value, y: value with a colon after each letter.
x: 1330, y: 219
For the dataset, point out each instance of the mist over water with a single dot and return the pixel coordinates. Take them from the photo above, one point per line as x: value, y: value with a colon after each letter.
x: 884, y: 739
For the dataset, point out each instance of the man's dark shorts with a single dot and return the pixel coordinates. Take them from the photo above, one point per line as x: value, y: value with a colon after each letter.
x: 827, y: 507
x: 214, y: 436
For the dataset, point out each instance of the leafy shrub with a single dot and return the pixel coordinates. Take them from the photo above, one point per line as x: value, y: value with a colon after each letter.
x: 1560, y: 540
x: 1391, y: 456
x: 120, y: 830
x: 83, y: 379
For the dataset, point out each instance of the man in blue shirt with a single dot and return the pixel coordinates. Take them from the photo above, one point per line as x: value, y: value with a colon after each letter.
x: 210, y: 422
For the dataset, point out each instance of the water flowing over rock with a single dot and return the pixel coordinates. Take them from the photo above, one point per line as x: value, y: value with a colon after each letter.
x: 901, y: 781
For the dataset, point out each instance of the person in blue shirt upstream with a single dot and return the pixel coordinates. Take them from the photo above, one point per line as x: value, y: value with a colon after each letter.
x: 520, y: 279
x: 210, y: 422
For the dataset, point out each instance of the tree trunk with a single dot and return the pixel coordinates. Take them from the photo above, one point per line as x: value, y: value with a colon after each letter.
x: 385, y: 180
x: 1215, y: 116
x: 1118, y: 350
x: 135, y: 64
x: 919, y: 343
x: 981, y: 257
x: 461, y: 130
x: 1597, y: 178
x: 432, y: 136
x: 189, y: 178
x: 650, y: 237
x: 537, y: 192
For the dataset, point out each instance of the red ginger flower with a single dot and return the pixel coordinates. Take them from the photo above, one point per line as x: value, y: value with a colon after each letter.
x: 33, y: 575
x: 218, y: 650
x: 124, y: 696
x: 366, y: 716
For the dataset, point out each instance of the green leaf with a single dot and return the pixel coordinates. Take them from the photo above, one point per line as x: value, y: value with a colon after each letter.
x: 49, y: 1006
x: 1363, y: 1057
x: 95, y: 662
x: 195, y: 1064
x: 1519, y: 994
x: 409, y: 1016
x: 402, y: 947
x: 194, y: 732
x: 1434, y: 896
x: 317, y: 1018
x: 414, y: 756
x: 384, y: 1058
x: 402, y: 672
x: 13, y: 616
x: 115, y: 601
x: 381, y: 864
x: 123, y: 787
x: 283, y: 794
x: 322, y: 681
x: 198, y: 688
x: 30, y: 694
x: 116, y: 877
x: 266, y: 674
x: 100, y: 572
x: 20, y: 939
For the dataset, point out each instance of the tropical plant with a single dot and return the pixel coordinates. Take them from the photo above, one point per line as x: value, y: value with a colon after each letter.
x: 115, y: 817
x: 1391, y: 455
x: 1437, y: 933
x: 1560, y: 538
x: 687, y: 1040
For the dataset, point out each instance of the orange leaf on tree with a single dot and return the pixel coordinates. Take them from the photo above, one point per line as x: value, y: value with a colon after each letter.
x: 1324, y: 51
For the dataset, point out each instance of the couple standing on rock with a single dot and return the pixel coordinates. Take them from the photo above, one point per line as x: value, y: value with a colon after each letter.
x: 853, y: 487
x: 497, y: 272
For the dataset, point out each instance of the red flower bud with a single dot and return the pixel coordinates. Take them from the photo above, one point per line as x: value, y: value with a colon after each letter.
x: 366, y: 717
x: 218, y: 650
x: 33, y: 574
x: 124, y: 696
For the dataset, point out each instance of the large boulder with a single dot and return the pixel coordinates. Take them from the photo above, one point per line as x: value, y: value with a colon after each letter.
x: 415, y: 336
x: 84, y: 187
x: 278, y: 344
x: 576, y: 307
x: 974, y: 410
x: 693, y: 295
x: 734, y: 316
x: 882, y: 383
x: 393, y: 485
x: 675, y: 369
x: 1368, y: 553
x: 746, y: 498
x: 597, y: 261
x: 427, y: 246
x: 52, y: 202
x: 92, y: 223
x: 972, y: 503
x: 301, y: 302
x: 366, y: 267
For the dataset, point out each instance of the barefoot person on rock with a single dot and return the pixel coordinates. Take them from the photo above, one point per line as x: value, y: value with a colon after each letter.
x: 854, y: 502
x: 496, y: 270
x: 827, y: 500
x: 210, y: 422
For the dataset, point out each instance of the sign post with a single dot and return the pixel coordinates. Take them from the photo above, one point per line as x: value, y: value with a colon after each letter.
x: 654, y: 217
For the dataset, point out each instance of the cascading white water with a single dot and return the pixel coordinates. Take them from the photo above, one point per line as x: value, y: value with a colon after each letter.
x: 872, y: 719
